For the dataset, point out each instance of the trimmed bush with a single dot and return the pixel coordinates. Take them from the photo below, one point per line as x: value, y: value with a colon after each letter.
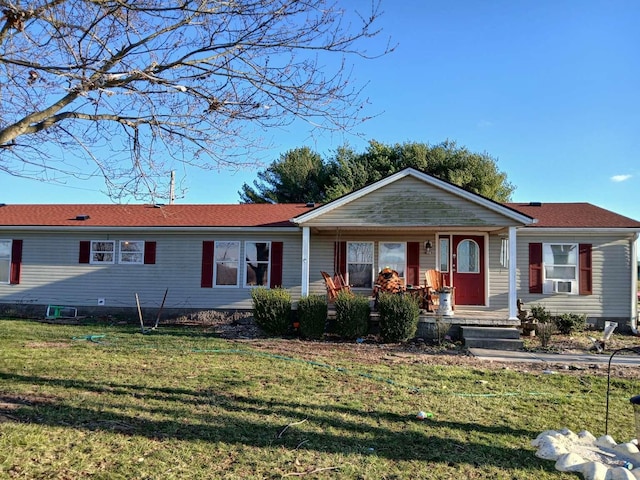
x: 398, y: 317
x: 352, y: 315
x: 272, y: 309
x: 570, y: 322
x: 312, y: 316
x: 540, y: 313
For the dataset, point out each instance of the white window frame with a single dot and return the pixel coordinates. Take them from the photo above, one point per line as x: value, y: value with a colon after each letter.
x: 382, y: 264
x: 139, y: 252
x: 559, y: 285
x: 247, y: 262
x: 7, y: 258
x: 216, y: 249
x: 350, y: 280
x: 94, y: 252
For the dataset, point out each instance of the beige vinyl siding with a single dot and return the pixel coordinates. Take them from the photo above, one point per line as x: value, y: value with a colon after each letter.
x: 610, y: 273
x: 51, y: 273
x: 410, y: 202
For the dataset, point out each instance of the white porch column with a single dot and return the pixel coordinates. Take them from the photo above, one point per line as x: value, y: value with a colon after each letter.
x: 633, y: 243
x: 513, y: 260
x: 306, y: 237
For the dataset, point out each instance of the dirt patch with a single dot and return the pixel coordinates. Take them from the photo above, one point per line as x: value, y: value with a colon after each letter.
x: 47, y: 345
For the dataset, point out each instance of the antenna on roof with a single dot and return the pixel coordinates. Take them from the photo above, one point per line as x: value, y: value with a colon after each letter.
x: 172, y: 187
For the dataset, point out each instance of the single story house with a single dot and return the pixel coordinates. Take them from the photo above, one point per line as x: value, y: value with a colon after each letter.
x: 571, y: 257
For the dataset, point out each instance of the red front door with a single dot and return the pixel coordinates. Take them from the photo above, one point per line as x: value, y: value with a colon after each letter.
x: 468, y: 269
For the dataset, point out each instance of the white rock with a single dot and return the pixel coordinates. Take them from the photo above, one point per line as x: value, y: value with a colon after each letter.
x: 594, y: 471
x: 620, y: 473
x: 606, y: 441
x: 550, y: 448
x: 587, y: 436
x: 547, y: 433
x: 570, y: 462
x: 628, y: 448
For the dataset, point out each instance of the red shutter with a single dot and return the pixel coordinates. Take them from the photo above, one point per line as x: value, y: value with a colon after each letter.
x: 276, y: 264
x: 340, y: 258
x: 150, y: 253
x: 206, y: 280
x: 585, y: 282
x: 85, y: 251
x: 16, y: 262
x: 535, y: 268
x: 413, y: 263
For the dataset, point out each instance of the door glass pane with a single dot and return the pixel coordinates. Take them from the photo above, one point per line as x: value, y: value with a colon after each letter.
x: 444, y: 254
x: 468, y: 257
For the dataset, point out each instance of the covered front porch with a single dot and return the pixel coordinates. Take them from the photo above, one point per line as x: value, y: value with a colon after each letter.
x: 415, y: 223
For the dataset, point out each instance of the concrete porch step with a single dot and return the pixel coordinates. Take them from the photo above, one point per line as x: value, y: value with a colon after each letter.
x: 490, y: 332
x: 496, y: 338
x: 493, y: 343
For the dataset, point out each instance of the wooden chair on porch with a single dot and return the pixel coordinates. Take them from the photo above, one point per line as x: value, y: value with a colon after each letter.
x: 434, y: 281
x: 334, y: 287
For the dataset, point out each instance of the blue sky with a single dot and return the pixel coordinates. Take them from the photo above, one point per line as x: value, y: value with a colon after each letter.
x: 550, y: 88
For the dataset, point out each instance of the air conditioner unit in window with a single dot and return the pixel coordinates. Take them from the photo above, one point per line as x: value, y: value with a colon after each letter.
x: 562, y: 286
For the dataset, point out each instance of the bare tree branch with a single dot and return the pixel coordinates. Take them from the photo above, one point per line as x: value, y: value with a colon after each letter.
x: 115, y: 85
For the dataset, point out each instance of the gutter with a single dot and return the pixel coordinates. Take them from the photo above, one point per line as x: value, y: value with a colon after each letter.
x: 634, y: 284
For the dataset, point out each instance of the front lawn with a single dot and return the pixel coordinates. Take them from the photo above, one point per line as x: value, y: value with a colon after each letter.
x: 107, y: 402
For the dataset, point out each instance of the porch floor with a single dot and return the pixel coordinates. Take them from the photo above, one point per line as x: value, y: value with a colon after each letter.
x: 462, y: 315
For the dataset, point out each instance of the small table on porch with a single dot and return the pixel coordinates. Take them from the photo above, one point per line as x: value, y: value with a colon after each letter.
x: 420, y: 293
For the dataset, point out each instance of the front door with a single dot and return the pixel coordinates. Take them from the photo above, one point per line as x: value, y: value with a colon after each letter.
x: 468, y: 269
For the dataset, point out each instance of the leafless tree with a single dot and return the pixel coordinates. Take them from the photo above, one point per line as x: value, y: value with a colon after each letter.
x: 128, y: 89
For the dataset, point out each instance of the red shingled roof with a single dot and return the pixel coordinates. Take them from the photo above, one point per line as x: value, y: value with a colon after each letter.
x: 573, y: 215
x: 562, y: 215
x: 242, y: 215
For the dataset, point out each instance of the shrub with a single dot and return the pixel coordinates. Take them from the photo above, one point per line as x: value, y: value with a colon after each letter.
x: 540, y: 313
x: 272, y: 309
x: 312, y: 315
x: 544, y: 332
x: 398, y: 317
x: 570, y: 322
x: 352, y: 315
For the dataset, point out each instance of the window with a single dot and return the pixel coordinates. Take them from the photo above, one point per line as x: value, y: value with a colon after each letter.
x: 504, y: 252
x: 393, y: 255
x: 360, y: 264
x: 226, y: 264
x: 131, y: 252
x: 560, y: 262
x: 444, y: 254
x: 257, y: 256
x: 102, y: 251
x: 5, y: 260
x: 468, y: 257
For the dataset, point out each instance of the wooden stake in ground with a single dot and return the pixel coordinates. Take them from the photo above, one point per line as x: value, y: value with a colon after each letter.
x: 161, y: 307
x: 139, y: 313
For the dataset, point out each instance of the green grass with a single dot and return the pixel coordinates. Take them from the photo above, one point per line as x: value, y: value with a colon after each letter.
x: 182, y: 404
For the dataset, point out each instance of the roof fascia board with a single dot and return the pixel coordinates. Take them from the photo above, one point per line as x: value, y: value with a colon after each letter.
x: 455, y: 190
x: 569, y: 231
x: 33, y: 228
